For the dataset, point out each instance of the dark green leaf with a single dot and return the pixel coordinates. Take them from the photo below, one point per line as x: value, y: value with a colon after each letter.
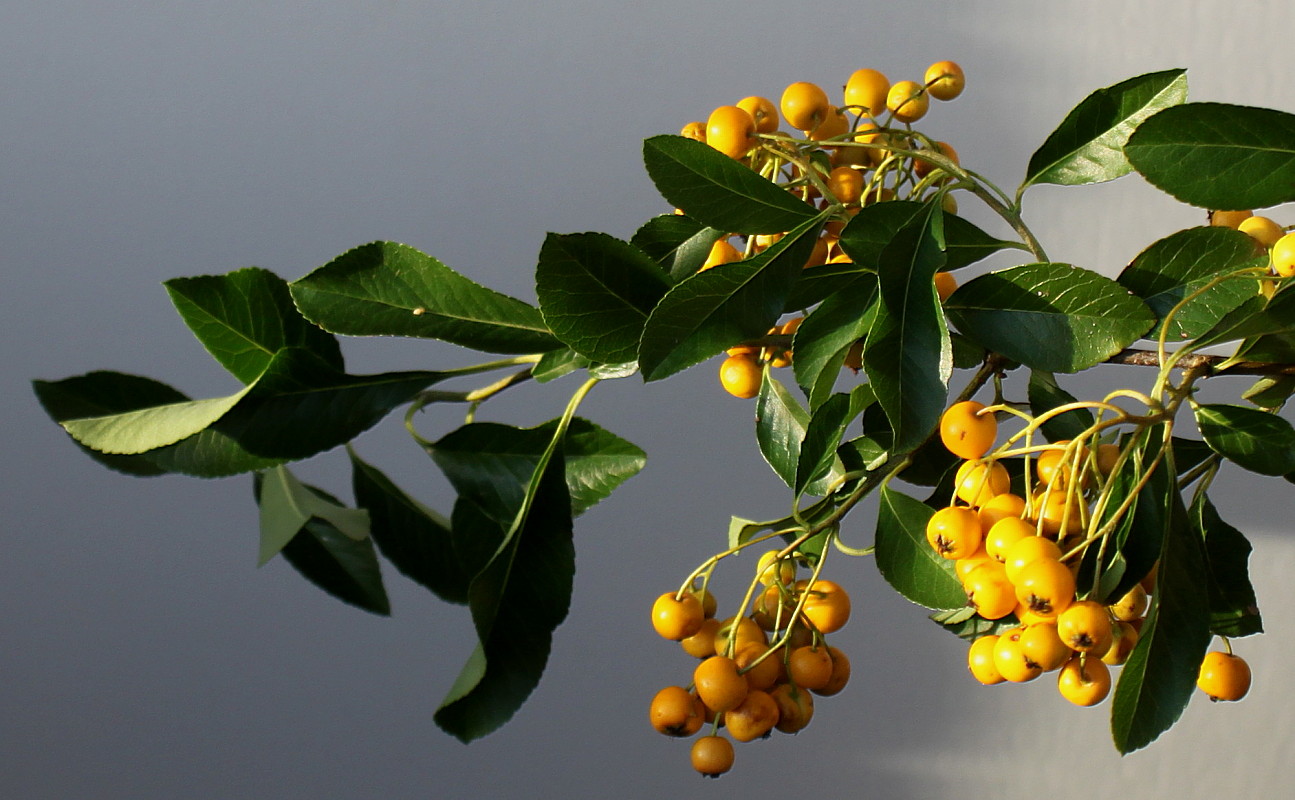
x: 1253, y: 439
x: 907, y: 355
x: 517, y: 600
x: 907, y: 562
x: 1269, y: 334
x: 413, y: 537
x: 104, y: 393
x: 677, y: 242
x: 1218, y: 156
x: 1233, y: 609
x: 965, y: 623
x: 390, y: 289
x: 492, y: 462
x: 827, y: 334
x: 1159, y: 678
x: 717, y: 308
x: 245, y: 317
x: 1182, y: 264
x: 869, y: 231
x: 817, y: 284
x: 596, y: 292
x: 780, y: 424
x: 1045, y: 395
x: 339, y: 565
x: 824, y: 432
x: 1051, y: 317
x: 1088, y: 146
x: 719, y: 192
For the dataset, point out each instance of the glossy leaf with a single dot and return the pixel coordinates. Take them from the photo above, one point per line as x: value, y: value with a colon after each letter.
x: 719, y: 192
x: 490, y: 460
x: 1269, y: 334
x: 1253, y: 439
x: 1218, y: 156
x: 1158, y: 680
x: 1271, y: 393
x: 596, y: 292
x: 824, y: 432
x: 1233, y: 610
x: 1044, y: 395
x: 390, y: 289
x: 103, y: 393
x: 245, y: 317
x: 827, y: 334
x: 717, y: 308
x: 1183, y: 263
x: 1051, y: 317
x: 868, y: 232
x: 1088, y: 145
x: 414, y: 538
x: 906, y: 561
x: 966, y: 624
x: 556, y: 363
x: 907, y: 354
x: 820, y: 283
x: 517, y: 600
x: 287, y: 505
x: 677, y: 242
x: 780, y: 424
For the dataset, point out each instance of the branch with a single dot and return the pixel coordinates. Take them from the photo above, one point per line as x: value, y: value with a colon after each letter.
x: 1148, y: 358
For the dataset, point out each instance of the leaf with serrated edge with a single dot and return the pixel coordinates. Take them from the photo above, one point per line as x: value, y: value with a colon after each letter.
x: 905, y: 559
x: 244, y: 317
x: 1052, y: 317
x: 1184, y: 263
x: 1159, y: 678
x: 907, y: 355
x: 717, y: 191
x: 717, y: 308
x: 596, y: 292
x: 1218, y: 156
x: 1088, y: 145
x: 391, y: 289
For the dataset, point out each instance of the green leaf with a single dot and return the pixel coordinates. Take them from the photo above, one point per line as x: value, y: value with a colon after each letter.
x: 596, y: 292
x: 414, y: 538
x: 1044, y: 395
x: 1269, y: 334
x: 245, y: 317
x: 492, y: 461
x: 104, y: 393
x: 868, y: 232
x: 719, y: 192
x: 1088, y: 146
x: 1253, y: 439
x: 780, y: 424
x: 827, y: 334
x: 717, y: 308
x: 300, y: 406
x: 1233, y: 610
x: 907, y: 354
x: 556, y: 363
x: 1271, y: 393
x: 1183, y: 263
x: 1051, y: 317
x: 517, y: 600
x: 390, y: 289
x: 341, y: 566
x: 1218, y: 156
x: 287, y: 505
x: 823, y: 434
x: 905, y: 559
x: 1159, y: 678
x: 677, y: 242
x: 966, y: 624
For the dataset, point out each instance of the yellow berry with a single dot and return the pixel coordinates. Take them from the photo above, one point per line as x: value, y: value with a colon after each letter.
x: 945, y: 80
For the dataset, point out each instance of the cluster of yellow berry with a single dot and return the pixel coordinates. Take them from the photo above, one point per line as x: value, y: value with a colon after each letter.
x: 867, y: 152
x: 758, y: 671
x: 1266, y: 231
x: 1019, y: 560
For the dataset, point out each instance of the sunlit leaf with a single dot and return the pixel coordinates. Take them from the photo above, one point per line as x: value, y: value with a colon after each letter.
x: 1218, y: 156
x: 1253, y: 439
x: 1088, y: 145
x: 906, y: 561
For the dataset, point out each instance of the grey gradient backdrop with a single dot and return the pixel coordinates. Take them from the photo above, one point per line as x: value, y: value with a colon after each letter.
x: 143, y: 655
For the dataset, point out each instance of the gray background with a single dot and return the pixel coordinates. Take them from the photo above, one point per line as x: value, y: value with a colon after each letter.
x: 141, y: 652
